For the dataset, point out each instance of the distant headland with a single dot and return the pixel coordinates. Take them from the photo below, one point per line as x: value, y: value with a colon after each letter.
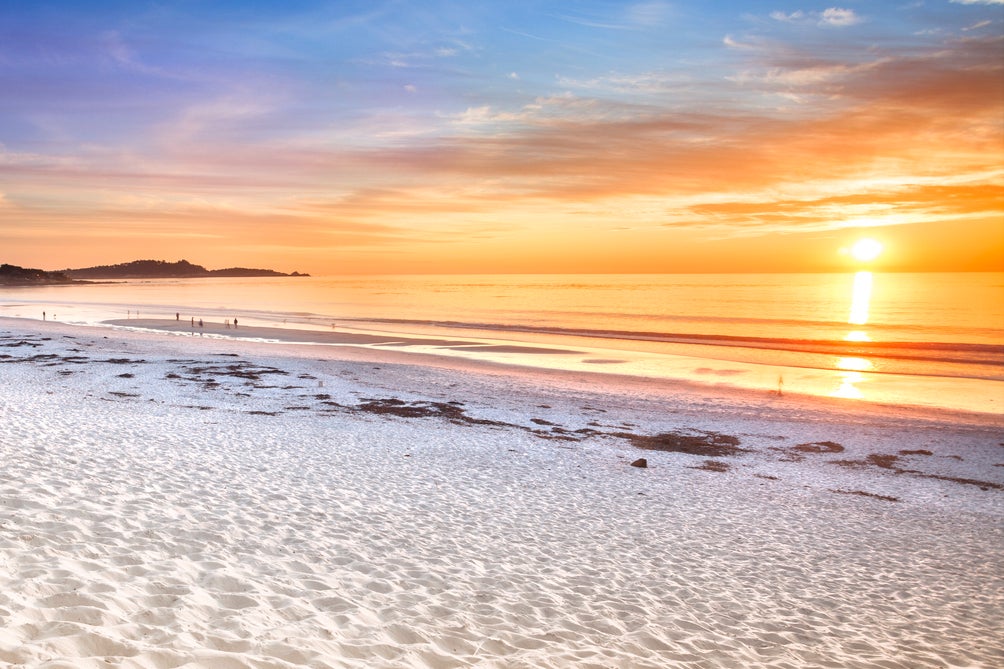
x: 137, y: 269
x: 12, y: 275
x: 160, y: 269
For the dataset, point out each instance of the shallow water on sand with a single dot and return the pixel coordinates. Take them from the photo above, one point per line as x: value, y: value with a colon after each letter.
x: 923, y: 339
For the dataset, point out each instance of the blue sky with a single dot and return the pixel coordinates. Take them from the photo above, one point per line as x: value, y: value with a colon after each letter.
x: 338, y: 135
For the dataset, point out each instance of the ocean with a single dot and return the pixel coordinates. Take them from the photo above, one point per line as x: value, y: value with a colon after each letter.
x: 931, y: 340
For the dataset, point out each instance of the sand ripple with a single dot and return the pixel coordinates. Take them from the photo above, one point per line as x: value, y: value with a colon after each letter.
x: 146, y: 533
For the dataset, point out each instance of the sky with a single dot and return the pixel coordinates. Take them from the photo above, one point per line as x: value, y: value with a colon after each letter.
x: 508, y: 136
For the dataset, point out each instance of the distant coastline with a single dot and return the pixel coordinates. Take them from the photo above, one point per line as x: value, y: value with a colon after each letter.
x: 160, y: 269
x: 12, y: 275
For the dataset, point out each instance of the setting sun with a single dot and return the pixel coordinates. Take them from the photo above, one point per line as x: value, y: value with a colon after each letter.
x: 866, y: 250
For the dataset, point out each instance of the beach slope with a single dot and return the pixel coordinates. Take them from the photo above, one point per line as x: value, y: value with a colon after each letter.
x: 173, y: 501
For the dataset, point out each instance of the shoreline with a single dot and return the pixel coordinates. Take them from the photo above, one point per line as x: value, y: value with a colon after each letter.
x: 436, y: 351
x: 689, y: 398
x: 193, y: 502
x: 966, y: 376
x: 393, y: 349
x: 320, y: 337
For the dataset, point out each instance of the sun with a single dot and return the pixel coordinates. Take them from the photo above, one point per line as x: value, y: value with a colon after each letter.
x: 866, y: 249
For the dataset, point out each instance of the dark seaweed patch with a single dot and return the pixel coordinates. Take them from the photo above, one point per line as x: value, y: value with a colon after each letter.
x: 450, y: 411
x: 886, y: 461
x: 883, y: 460
x: 708, y: 444
x: 819, y: 447
x: 396, y: 407
x: 713, y: 466
x: 21, y: 342
x: 797, y: 453
x: 983, y: 485
x: 862, y: 493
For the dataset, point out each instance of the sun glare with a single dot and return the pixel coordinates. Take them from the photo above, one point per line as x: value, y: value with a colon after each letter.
x: 860, y: 298
x: 866, y: 249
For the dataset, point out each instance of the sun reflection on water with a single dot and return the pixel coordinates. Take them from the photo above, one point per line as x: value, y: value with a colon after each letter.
x: 853, y: 367
x: 860, y: 298
x: 849, y: 386
x: 854, y: 364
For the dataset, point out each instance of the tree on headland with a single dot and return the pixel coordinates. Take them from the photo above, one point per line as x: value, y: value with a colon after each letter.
x: 138, y: 269
x: 161, y: 269
x: 12, y: 275
x: 145, y: 269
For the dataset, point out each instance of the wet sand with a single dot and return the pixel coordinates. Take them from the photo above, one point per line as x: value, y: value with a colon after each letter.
x: 334, y: 337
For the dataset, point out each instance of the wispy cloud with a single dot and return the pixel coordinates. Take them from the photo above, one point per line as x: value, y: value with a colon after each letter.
x: 641, y: 15
x: 839, y: 17
x: 634, y: 83
x: 788, y: 17
x: 909, y: 201
x: 734, y: 43
x: 977, y: 26
x: 649, y: 13
x: 830, y: 17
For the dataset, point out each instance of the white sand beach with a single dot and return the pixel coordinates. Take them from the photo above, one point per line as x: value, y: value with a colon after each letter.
x: 171, y: 501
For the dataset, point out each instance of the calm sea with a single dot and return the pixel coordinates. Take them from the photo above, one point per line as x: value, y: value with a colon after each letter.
x: 922, y: 339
